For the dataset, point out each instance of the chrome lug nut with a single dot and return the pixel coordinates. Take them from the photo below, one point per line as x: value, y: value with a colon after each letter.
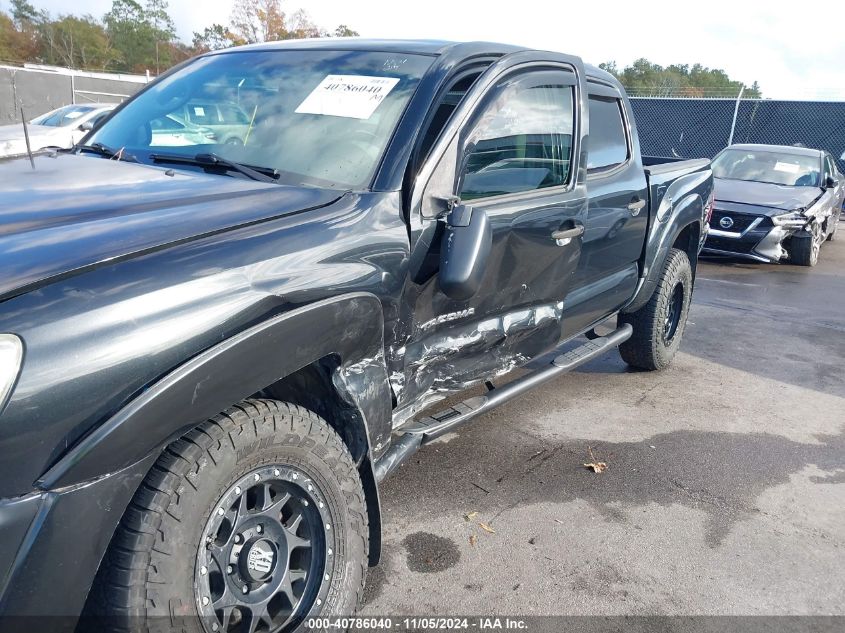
x: 259, y: 529
x: 203, y: 570
x: 245, y: 589
x: 204, y: 600
x: 229, y: 569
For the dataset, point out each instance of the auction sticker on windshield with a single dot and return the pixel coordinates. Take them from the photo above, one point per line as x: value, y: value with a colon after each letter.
x: 352, y: 96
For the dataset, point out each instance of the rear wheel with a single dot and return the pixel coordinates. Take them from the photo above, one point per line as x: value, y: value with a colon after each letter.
x: 804, y: 249
x: 253, y: 521
x: 659, y: 325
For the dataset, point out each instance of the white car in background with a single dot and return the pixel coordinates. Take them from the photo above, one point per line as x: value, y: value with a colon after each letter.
x: 62, y: 127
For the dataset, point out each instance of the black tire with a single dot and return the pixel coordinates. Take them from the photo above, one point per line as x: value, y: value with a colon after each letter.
x: 653, y: 344
x: 804, y: 250
x: 154, y: 563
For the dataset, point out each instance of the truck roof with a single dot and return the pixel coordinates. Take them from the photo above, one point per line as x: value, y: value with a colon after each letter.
x: 432, y: 48
x: 418, y: 47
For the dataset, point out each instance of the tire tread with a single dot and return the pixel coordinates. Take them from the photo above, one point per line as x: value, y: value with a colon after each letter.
x: 122, y: 590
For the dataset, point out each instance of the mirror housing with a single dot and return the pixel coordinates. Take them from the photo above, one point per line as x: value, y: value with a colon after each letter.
x: 830, y: 182
x: 87, y: 126
x: 464, y: 251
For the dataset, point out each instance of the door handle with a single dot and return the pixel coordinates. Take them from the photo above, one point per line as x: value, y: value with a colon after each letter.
x: 565, y: 236
x: 636, y: 206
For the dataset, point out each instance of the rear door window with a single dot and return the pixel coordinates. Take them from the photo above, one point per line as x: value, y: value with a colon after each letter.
x: 607, y: 146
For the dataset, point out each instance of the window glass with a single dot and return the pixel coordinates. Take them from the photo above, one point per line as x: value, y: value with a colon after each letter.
x: 166, y: 123
x: 607, y: 145
x: 202, y: 113
x: 778, y: 168
x: 523, y: 139
x: 319, y: 117
x: 233, y: 114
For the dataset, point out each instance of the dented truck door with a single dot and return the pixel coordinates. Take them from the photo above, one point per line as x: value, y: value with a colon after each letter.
x: 515, y: 156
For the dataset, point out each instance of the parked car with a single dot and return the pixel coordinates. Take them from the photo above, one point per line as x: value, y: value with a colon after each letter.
x: 61, y: 127
x: 212, y: 356
x: 169, y: 131
x: 228, y: 121
x: 775, y: 203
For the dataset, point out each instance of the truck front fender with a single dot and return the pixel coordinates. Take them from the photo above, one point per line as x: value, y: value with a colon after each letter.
x: 349, y: 327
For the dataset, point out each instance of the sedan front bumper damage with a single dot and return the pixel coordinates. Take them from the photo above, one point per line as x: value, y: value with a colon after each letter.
x: 760, y: 240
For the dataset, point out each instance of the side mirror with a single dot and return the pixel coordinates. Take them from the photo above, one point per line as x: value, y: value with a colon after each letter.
x: 830, y: 182
x: 87, y: 126
x: 464, y: 251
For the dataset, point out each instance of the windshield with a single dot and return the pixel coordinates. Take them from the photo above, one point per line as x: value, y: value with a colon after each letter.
x: 67, y: 115
x: 320, y: 118
x: 778, y: 168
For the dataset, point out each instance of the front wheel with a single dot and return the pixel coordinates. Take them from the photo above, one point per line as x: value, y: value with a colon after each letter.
x: 255, y: 520
x: 804, y: 249
x: 832, y: 235
x: 659, y: 325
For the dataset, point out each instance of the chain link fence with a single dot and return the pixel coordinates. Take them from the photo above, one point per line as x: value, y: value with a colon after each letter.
x: 701, y: 127
x: 39, y: 89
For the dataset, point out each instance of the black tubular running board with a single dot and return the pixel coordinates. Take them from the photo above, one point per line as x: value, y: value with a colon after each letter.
x: 420, y: 431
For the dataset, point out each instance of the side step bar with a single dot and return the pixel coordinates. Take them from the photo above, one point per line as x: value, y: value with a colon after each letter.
x: 421, y: 431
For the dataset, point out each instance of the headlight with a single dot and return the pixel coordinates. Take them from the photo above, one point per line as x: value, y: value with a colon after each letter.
x: 792, y: 220
x: 11, y: 354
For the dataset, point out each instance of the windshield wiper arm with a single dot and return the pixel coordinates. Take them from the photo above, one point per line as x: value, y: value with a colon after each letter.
x: 105, y: 150
x: 262, y: 174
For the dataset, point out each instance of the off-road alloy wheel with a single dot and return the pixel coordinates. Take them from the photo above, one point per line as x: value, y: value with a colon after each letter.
x: 804, y: 250
x: 659, y: 325
x: 251, y: 522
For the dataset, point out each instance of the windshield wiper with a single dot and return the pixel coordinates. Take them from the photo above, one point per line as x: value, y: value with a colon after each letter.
x: 262, y: 174
x: 105, y: 150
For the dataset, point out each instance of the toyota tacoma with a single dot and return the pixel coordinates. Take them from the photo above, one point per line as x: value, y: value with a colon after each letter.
x: 212, y: 353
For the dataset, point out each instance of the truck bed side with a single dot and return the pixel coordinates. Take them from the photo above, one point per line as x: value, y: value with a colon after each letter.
x: 678, y: 193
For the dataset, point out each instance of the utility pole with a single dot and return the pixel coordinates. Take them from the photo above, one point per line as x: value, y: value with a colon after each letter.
x: 736, y: 112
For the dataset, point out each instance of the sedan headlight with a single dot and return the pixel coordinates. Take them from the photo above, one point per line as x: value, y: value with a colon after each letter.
x: 11, y: 354
x: 792, y: 220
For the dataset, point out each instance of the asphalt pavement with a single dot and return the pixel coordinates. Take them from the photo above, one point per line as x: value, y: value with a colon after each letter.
x: 724, y: 491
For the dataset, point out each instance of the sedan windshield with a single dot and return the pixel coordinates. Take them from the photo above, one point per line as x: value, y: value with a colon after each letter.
x: 792, y: 170
x: 318, y: 118
x: 67, y: 115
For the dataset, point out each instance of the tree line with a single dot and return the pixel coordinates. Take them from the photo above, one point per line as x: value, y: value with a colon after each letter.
x: 644, y: 78
x: 136, y: 37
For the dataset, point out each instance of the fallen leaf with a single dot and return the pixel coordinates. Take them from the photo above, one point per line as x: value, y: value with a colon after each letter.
x: 486, y: 528
x: 597, y: 467
x: 473, y: 540
x: 470, y: 516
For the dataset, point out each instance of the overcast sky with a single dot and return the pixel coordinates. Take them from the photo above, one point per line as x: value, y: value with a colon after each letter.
x: 794, y: 53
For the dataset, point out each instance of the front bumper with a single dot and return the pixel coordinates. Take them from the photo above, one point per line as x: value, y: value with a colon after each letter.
x: 51, y: 544
x: 752, y: 237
